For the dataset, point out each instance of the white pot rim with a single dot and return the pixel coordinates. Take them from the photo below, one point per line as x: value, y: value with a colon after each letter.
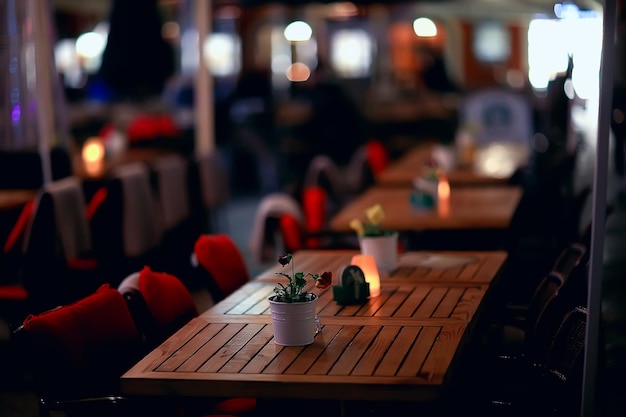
x: 313, y: 297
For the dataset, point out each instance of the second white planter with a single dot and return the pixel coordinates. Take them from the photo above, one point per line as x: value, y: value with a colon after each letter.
x: 384, y: 249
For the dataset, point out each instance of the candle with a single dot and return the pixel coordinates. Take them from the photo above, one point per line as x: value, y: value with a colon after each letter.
x: 443, y: 196
x: 368, y: 266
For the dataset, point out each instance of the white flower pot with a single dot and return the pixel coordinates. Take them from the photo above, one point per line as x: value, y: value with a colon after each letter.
x: 294, y: 323
x: 384, y: 249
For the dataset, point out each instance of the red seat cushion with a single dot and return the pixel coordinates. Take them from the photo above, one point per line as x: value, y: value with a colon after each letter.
x: 81, y: 331
x: 377, y: 156
x: 314, y: 208
x: 13, y: 293
x: 219, y: 255
x: 236, y: 406
x: 291, y: 232
x: 169, y: 301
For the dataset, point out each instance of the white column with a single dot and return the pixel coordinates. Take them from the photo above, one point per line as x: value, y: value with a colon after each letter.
x: 203, y: 89
x: 596, y: 261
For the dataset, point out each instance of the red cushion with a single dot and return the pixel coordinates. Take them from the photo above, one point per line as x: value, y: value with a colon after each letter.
x: 79, y: 330
x: 291, y: 233
x: 82, y: 264
x: 96, y: 201
x: 167, y: 298
x: 166, y: 126
x: 13, y: 293
x: 314, y: 207
x: 20, y: 225
x: 219, y: 255
x: 235, y: 406
x: 142, y: 127
x: 377, y: 156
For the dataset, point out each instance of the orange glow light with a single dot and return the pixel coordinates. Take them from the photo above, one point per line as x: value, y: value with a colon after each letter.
x: 443, y: 197
x: 370, y: 270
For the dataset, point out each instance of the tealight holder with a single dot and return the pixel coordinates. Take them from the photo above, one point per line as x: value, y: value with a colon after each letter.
x: 353, y: 288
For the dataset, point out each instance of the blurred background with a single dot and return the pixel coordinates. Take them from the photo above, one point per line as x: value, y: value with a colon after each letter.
x: 290, y: 79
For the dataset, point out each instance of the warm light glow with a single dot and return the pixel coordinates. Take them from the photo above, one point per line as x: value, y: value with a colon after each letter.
x: 93, y: 155
x: 424, y: 27
x: 93, y: 150
x: 368, y: 266
x: 298, y: 72
x: 443, y: 196
x: 298, y: 31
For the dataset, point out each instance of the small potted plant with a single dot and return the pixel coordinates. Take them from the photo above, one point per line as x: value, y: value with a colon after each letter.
x: 375, y: 240
x: 292, y: 308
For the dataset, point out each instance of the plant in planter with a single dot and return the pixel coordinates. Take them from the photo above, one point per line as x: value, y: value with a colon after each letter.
x: 294, y: 292
x: 375, y: 240
x: 292, y: 308
x: 372, y: 226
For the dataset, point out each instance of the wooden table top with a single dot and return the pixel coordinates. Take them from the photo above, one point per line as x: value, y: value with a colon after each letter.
x: 493, y: 165
x: 489, y: 207
x: 400, y: 346
x: 10, y: 199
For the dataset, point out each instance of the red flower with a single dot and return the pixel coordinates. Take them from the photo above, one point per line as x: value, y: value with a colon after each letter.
x: 324, y: 281
x: 284, y: 259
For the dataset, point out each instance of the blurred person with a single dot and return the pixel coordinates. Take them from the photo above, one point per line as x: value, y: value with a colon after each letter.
x: 251, y: 133
x: 137, y: 61
x: 433, y: 72
x: 337, y: 126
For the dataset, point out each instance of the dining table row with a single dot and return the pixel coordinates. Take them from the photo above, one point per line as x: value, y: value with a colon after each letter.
x: 406, y: 345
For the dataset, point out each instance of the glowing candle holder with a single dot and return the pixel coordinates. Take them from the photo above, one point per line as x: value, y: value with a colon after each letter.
x: 93, y: 155
x: 369, y: 268
x: 443, y: 196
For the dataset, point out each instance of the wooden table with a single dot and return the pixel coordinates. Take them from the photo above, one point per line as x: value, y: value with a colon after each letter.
x: 11, y: 199
x: 493, y: 165
x: 400, y: 346
x: 469, y: 208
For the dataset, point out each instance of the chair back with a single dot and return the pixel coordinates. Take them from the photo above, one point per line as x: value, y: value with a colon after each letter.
x: 60, y: 222
x: 547, y: 290
x: 263, y: 241
x: 141, y: 230
x: 569, y: 259
x: 170, y: 177
x: 220, y: 257
x: 58, y: 263
x: 543, y: 326
x: 322, y: 171
x: 498, y: 115
x: 566, y: 352
x: 566, y: 361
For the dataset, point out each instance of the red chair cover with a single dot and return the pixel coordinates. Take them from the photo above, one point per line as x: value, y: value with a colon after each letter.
x: 219, y: 255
